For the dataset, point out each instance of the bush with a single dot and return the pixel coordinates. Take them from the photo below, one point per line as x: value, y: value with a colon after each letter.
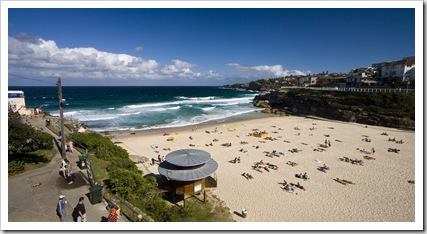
x: 15, y: 167
x: 24, y: 138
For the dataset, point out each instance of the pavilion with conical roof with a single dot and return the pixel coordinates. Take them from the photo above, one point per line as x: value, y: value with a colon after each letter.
x: 187, y: 170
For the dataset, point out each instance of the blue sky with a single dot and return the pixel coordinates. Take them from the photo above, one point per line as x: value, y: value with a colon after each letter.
x: 200, y: 46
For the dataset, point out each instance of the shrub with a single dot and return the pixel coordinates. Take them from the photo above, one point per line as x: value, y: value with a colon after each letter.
x: 15, y: 167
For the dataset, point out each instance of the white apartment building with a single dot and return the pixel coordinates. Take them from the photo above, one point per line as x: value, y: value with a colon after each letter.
x: 403, y: 69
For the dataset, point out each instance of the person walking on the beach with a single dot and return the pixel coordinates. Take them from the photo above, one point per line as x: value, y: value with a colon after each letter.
x: 159, y: 158
x: 112, y: 217
x: 60, y: 208
x: 81, y: 210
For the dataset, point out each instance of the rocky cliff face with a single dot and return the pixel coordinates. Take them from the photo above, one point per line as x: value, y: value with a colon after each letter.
x: 373, y: 109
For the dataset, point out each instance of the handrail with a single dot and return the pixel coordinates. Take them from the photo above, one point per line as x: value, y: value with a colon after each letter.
x: 126, y: 208
x: 357, y: 89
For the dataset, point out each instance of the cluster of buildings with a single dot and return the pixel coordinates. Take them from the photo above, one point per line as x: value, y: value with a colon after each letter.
x: 379, y: 74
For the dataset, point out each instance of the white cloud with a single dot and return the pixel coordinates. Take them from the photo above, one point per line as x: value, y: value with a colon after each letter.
x: 35, y: 57
x: 38, y: 57
x: 139, y: 48
x: 264, y: 71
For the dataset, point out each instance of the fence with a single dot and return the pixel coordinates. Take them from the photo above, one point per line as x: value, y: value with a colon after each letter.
x: 127, y: 209
x: 130, y: 211
x: 355, y: 89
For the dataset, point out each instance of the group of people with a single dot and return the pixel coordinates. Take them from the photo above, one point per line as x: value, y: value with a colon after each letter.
x: 352, y: 161
x: 66, y: 171
x: 79, y: 213
x: 247, y: 175
x: 302, y: 176
x: 294, y: 150
x: 235, y: 160
x: 323, y: 168
x: 289, y: 187
x: 159, y: 160
x: 271, y: 154
x: 393, y: 150
x: 394, y: 139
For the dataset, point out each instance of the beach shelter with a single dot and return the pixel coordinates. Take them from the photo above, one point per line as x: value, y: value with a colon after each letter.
x: 188, y: 171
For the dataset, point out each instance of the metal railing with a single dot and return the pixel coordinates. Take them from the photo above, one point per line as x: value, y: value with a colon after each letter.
x: 357, y: 89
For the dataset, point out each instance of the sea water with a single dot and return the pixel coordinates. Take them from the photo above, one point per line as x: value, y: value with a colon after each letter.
x: 140, y: 108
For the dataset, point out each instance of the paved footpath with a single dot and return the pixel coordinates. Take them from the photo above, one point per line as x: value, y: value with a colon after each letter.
x: 38, y: 204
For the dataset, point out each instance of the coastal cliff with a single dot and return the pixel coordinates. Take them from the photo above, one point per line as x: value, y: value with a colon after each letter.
x: 396, y: 110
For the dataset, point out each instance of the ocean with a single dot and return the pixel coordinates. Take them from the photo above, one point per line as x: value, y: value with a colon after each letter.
x: 141, y: 108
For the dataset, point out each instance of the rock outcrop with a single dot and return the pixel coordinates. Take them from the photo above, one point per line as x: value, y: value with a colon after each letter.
x: 396, y: 110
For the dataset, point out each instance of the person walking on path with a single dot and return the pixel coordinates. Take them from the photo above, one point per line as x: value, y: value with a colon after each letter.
x: 81, y: 211
x: 112, y: 217
x: 60, y: 208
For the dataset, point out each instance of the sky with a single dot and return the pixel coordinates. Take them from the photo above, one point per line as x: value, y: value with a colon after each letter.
x: 201, y: 46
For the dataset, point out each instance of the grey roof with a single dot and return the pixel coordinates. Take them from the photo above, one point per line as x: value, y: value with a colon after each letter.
x: 173, y: 172
x: 188, y: 157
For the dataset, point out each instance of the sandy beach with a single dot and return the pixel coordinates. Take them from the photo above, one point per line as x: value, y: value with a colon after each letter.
x: 378, y: 190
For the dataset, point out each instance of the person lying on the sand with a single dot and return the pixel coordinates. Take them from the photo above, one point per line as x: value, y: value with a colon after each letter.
x: 272, y: 166
x: 299, y: 186
x: 368, y: 157
x: 393, y: 150
x: 340, y: 181
x: 293, y: 164
x: 192, y: 145
x: 347, y: 181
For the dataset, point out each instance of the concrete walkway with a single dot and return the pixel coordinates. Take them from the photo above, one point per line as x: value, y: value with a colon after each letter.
x: 38, y: 204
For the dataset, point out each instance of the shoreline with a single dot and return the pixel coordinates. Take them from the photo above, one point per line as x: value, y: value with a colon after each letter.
x: 208, y: 124
x: 381, y: 192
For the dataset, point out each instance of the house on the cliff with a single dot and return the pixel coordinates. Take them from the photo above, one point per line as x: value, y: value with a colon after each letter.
x: 361, y: 77
x: 400, y: 70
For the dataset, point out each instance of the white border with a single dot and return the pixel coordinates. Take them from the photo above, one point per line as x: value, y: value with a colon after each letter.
x: 417, y: 225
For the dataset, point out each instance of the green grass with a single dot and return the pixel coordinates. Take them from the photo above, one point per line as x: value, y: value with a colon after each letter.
x: 30, y: 161
x: 69, y: 126
x: 53, y: 129
x: 99, y: 168
x: 205, y: 212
